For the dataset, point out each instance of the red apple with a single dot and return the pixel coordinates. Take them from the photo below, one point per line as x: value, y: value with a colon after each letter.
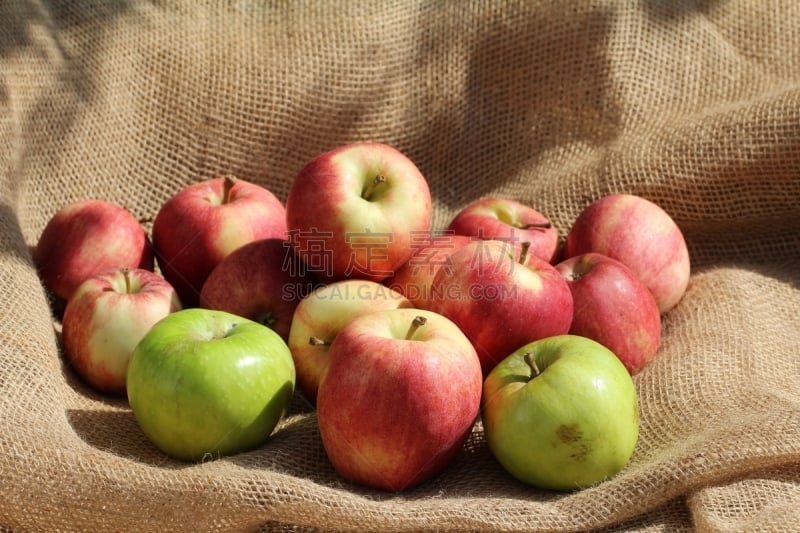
x: 501, y: 297
x: 504, y: 219
x: 88, y: 237
x: 399, y: 398
x: 105, y: 319
x: 639, y: 234
x: 613, y: 307
x: 263, y: 281
x: 320, y: 316
x: 352, y: 212
x: 202, y: 223
x: 431, y: 253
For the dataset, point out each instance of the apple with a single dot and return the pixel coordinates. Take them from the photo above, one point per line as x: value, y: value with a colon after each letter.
x: 561, y: 413
x: 352, y: 212
x: 613, y: 307
x: 398, y: 398
x: 501, y: 297
x: 105, y: 319
x: 263, y: 280
x: 430, y: 254
x: 88, y: 237
x: 508, y: 220
x: 203, y: 222
x: 203, y: 384
x: 322, y: 314
x: 639, y: 234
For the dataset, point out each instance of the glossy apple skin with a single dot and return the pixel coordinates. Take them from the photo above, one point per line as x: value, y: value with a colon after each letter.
x: 414, y: 278
x: 263, y: 280
x: 326, y: 208
x: 204, y: 384
x: 197, y: 228
x: 639, y: 234
x: 323, y: 314
x: 394, y: 412
x: 572, y: 426
x: 613, y: 307
x: 86, y: 238
x: 106, y: 318
x: 500, y: 303
x: 506, y: 220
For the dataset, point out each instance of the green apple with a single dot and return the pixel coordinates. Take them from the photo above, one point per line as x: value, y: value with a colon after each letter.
x: 203, y: 384
x: 561, y: 413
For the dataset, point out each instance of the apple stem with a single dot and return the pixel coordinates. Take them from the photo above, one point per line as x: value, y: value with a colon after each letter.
x: 316, y: 341
x: 531, y: 362
x: 126, y: 275
x: 523, y: 253
x: 230, y: 181
x: 537, y: 225
x: 415, y: 324
x: 371, y: 186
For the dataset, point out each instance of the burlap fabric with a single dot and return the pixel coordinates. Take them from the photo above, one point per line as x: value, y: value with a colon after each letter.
x: 695, y: 105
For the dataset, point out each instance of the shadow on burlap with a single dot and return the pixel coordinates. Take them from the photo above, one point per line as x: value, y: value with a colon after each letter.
x: 694, y: 105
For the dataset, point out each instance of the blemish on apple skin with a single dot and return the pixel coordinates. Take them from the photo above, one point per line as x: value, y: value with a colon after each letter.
x: 568, y: 434
x: 572, y: 436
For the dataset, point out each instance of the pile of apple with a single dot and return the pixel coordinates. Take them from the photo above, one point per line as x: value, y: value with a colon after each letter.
x: 400, y: 336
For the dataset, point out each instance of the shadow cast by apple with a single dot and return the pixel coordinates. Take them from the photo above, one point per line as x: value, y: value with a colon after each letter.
x: 118, y: 433
x: 296, y: 449
x: 112, y: 427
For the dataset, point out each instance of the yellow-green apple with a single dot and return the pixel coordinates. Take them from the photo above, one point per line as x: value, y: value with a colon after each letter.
x: 398, y: 399
x: 107, y: 316
x: 502, y: 298
x: 430, y: 253
x: 321, y: 315
x: 262, y: 280
x: 613, y: 307
x: 204, y: 384
x: 203, y: 222
x: 561, y: 413
x: 88, y: 237
x: 352, y: 212
x: 639, y: 234
x: 508, y: 220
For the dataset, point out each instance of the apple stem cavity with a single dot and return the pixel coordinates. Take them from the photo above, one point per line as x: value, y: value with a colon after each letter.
x: 531, y: 362
x: 523, y: 253
x: 316, y: 341
x: 536, y: 225
x: 269, y: 320
x: 228, y: 184
x: 415, y: 325
x: 372, y: 186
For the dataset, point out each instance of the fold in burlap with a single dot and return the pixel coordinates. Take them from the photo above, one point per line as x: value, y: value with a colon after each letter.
x: 694, y: 105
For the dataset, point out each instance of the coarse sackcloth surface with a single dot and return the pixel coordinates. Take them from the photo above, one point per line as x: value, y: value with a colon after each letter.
x: 692, y: 104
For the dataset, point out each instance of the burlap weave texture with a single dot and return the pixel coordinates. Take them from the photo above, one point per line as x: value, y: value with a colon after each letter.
x: 692, y: 104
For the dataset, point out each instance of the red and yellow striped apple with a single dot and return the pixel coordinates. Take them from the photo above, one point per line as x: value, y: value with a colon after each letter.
x: 639, y: 234
x: 398, y: 398
x: 502, y: 298
x: 263, y: 280
x: 613, y: 307
x: 322, y: 314
x: 202, y: 223
x: 353, y: 211
x: 105, y: 319
x: 86, y: 238
x: 508, y: 220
